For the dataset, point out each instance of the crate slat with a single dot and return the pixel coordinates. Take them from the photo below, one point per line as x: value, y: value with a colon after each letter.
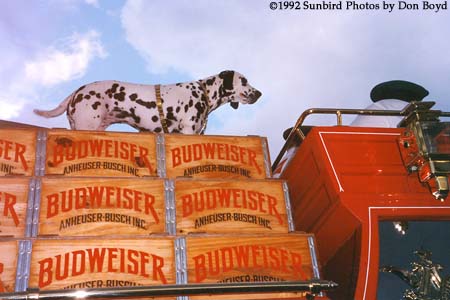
x: 17, y: 151
x: 102, y: 206
x: 94, y: 153
x: 211, y: 156
x: 230, y: 206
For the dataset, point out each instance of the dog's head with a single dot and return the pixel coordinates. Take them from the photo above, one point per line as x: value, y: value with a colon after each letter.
x: 235, y: 88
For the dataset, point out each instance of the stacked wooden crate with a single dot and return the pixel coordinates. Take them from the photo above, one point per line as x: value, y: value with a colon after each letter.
x: 109, y: 209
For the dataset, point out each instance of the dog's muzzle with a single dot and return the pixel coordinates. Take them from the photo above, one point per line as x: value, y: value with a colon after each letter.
x: 253, y: 97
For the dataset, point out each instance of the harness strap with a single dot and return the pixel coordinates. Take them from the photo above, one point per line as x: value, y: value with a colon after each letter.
x: 160, y: 108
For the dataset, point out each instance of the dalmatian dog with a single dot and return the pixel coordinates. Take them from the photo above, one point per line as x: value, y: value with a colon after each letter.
x: 172, y: 108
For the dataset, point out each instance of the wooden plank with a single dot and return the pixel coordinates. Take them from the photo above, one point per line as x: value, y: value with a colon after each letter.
x: 102, y: 206
x: 17, y: 151
x: 89, y: 263
x: 13, y: 206
x: 202, y: 156
x: 249, y: 258
x: 94, y: 153
x: 230, y: 206
x: 8, y: 265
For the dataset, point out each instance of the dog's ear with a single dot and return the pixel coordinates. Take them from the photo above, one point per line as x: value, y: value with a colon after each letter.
x: 234, y: 105
x: 227, y: 77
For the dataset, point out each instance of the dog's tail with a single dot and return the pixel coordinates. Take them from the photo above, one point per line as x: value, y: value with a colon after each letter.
x: 59, y: 110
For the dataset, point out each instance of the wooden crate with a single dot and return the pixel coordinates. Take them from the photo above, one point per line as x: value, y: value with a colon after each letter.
x: 203, y: 156
x: 8, y: 265
x: 15, y: 206
x: 102, y: 263
x: 232, y: 206
x: 101, y: 206
x: 94, y: 153
x: 251, y: 258
x: 17, y: 151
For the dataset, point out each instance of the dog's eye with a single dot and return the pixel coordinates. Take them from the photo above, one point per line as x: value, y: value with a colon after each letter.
x: 244, y: 81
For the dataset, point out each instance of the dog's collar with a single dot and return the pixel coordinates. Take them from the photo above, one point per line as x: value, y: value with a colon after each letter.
x: 160, y: 108
x: 208, y: 104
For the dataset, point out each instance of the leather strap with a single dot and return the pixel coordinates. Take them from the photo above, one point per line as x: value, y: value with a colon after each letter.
x: 160, y: 108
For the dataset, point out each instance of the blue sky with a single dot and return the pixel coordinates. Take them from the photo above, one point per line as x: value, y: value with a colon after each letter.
x: 298, y: 59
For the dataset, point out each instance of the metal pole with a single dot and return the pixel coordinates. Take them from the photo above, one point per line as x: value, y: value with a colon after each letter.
x: 312, y: 286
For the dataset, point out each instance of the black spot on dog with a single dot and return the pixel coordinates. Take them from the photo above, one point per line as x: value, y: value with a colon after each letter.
x: 116, y: 103
x: 194, y: 93
x: 133, y: 97
x: 155, y: 119
x: 95, y: 105
x: 211, y: 81
x: 244, y: 81
x: 178, y: 109
x: 200, y: 109
x: 78, y: 99
x: 179, y: 84
x: 227, y: 77
x: 158, y: 129
x: 147, y: 104
x: 98, y: 95
x: 191, y: 103
x: 227, y: 84
x: 107, y: 105
x: 120, y: 96
x: 87, y: 97
x: 114, y: 88
x: 186, y: 108
x: 124, y: 114
x: 122, y: 88
x: 92, y: 93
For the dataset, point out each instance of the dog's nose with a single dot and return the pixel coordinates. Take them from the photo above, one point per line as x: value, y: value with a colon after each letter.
x: 257, y: 94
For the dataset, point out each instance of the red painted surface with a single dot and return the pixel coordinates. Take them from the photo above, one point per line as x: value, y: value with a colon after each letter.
x: 342, y: 181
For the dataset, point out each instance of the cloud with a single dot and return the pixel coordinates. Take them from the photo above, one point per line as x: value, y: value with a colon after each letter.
x: 55, y: 65
x: 93, y: 3
x: 298, y: 59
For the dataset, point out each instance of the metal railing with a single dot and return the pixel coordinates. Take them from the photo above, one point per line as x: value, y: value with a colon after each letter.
x: 338, y: 112
x: 311, y: 286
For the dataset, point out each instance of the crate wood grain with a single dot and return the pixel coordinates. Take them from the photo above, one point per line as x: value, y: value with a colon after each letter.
x: 247, y: 258
x: 202, y: 156
x: 17, y: 151
x: 102, y: 263
x: 101, y: 206
x: 13, y: 206
x: 93, y: 153
x: 230, y: 206
x: 8, y: 265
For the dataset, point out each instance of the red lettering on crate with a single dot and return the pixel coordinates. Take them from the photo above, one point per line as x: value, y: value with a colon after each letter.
x: 212, y: 199
x: 226, y: 259
x: 2, y: 287
x: 13, y: 151
x: 219, y: 151
x: 101, y: 148
x: 93, y: 197
x: 100, y: 260
x: 8, y: 208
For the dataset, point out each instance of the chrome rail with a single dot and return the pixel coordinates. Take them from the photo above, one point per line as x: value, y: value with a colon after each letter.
x: 338, y: 112
x: 311, y: 286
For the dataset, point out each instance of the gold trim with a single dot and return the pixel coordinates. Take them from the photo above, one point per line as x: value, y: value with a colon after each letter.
x: 160, y: 108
